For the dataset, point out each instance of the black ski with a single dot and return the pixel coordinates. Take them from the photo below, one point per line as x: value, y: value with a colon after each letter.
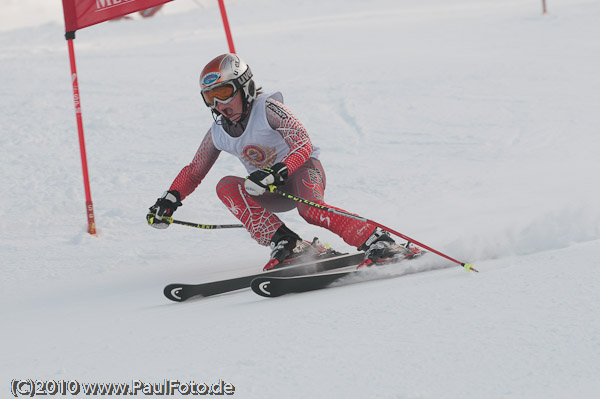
x: 274, y: 286
x: 183, y: 292
x: 271, y: 287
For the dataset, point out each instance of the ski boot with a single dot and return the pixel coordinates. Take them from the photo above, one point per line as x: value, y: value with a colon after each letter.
x: 380, y: 248
x: 287, y: 248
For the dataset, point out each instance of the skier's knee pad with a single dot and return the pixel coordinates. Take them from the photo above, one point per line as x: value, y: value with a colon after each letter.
x: 229, y: 186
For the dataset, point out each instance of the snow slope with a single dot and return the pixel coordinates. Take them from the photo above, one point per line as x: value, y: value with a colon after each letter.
x: 470, y: 126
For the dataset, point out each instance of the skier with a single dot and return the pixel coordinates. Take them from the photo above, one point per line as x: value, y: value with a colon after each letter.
x: 276, y: 150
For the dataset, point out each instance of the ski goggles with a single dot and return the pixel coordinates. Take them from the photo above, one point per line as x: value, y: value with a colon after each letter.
x: 222, y: 93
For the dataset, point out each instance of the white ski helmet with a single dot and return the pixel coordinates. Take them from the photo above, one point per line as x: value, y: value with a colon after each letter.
x: 223, y: 77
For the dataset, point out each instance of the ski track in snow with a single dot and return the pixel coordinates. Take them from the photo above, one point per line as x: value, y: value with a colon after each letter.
x: 471, y: 127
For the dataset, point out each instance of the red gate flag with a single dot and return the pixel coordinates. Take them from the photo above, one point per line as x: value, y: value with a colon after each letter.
x: 83, y: 13
x: 80, y: 14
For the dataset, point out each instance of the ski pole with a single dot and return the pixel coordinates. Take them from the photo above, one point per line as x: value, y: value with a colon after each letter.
x: 274, y: 190
x: 201, y: 226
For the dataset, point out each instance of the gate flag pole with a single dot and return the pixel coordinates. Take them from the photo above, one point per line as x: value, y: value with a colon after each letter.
x: 226, y: 26
x: 70, y: 36
x: 80, y: 14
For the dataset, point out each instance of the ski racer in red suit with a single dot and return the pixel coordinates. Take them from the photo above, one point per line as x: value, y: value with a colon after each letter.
x: 275, y: 148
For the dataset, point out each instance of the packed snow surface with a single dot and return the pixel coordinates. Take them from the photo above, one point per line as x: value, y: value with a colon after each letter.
x: 470, y: 126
